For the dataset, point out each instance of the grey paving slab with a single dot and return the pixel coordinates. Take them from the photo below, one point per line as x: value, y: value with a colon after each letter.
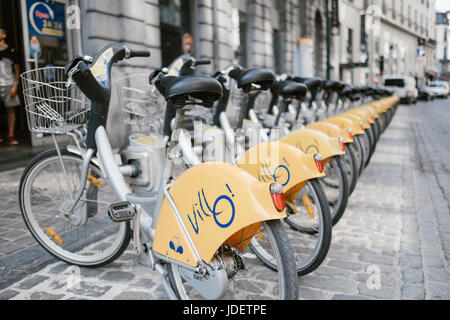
x: 392, y: 243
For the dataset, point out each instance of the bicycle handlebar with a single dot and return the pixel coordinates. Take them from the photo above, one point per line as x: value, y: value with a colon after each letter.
x: 92, y: 76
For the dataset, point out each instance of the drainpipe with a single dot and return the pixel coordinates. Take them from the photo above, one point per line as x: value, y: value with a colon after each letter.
x: 327, y: 14
x: 215, y: 36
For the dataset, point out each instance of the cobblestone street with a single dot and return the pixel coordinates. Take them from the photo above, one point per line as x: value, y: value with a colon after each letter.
x: 396, y: 229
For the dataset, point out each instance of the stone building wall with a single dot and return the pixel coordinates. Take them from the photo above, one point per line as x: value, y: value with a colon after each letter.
x: 136, y: 23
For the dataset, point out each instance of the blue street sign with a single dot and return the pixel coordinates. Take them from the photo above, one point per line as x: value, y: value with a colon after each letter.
x: 421, y: 52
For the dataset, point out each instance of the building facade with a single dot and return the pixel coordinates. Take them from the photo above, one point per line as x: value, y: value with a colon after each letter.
x: 443, y: 42
x: 405, y: 40
x: 379, y: 37
x: 254, y: 33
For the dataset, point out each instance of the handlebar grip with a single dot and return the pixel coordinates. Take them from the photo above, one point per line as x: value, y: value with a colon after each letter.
x: 202, y: 62
x: 140, y: 53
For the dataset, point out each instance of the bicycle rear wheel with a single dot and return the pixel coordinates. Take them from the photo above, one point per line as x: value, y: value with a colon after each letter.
x: 46, y: 189
x: 310, y: 214
x: 248, y: 277
x: 351, y: 167
x: 371, y: 138
x: 365, y: 144
x: 336, y: 188
x: 359, y: 154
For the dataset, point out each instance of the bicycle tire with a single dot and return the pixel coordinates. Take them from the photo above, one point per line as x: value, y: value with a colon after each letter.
x: 324, y: 242
x: 342, y: 202
x: 122, y: 243
x: 370, y: 136
x: 287, y: 276
x: 359, y: 154
x: 353, y: 162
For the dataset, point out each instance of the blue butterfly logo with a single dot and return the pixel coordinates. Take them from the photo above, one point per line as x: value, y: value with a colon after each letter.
x: 175, y: 246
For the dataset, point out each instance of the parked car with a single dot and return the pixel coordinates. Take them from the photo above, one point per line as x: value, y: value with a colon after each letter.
x: 403, y: 87
x: 426, y: 93
x: 440, y: 89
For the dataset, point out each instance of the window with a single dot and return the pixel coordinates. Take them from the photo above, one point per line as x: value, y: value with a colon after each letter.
x: 393, y: 10
x: 243, y: 22
x: 394, y: 83
x: 421, y: 23
x: 366, y: 4
x: 277, y: 52
x: 277, y: 10
x: 415, y: 20
x: 350, y: 45
x: 409, y: 17
x: 277, y: 5
x: 402, y: 17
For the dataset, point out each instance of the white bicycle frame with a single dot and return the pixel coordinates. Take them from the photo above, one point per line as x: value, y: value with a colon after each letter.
x: 148, y: 207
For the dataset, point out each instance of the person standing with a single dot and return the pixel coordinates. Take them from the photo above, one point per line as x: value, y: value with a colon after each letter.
x: 9, y: 84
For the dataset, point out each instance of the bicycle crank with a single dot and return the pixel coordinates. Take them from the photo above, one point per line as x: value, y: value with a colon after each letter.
x: 211, y: 286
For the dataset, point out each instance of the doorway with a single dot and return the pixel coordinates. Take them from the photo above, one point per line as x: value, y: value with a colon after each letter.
x: 319, y: 39
x: 176, y: 20
x: 10, y: 19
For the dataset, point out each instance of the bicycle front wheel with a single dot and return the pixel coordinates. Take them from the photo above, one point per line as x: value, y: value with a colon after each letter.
x: 86, y: 237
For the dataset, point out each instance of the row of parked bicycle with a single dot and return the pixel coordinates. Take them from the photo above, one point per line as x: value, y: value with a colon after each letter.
x: 269, y: 163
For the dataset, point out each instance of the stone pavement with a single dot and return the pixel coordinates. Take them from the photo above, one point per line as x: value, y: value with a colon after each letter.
x: 392, y: 243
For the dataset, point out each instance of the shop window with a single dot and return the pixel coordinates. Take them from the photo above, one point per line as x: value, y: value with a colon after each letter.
x: 48, y: 33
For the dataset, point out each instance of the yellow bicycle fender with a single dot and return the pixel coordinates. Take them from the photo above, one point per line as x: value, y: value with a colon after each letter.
x: 345, y: 123
x: 389, y: 102
x: 384, y: 105
x: 394, y: 101
x: 314, y: 142
x: 370, y: 109
x: 331, y: 130
x: 281, y: 163
x: 356, y: 120
x: 379, y: 107
x: 360, y: 118
x: 364, y: 114
x: 215, y: 201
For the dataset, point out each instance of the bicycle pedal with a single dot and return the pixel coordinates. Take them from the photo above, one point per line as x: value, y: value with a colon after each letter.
x: 121, y: 211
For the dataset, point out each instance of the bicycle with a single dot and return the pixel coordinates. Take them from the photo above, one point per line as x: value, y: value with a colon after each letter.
x: 294, y: 170
x: 191, y: 230
x: 335, y: 184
